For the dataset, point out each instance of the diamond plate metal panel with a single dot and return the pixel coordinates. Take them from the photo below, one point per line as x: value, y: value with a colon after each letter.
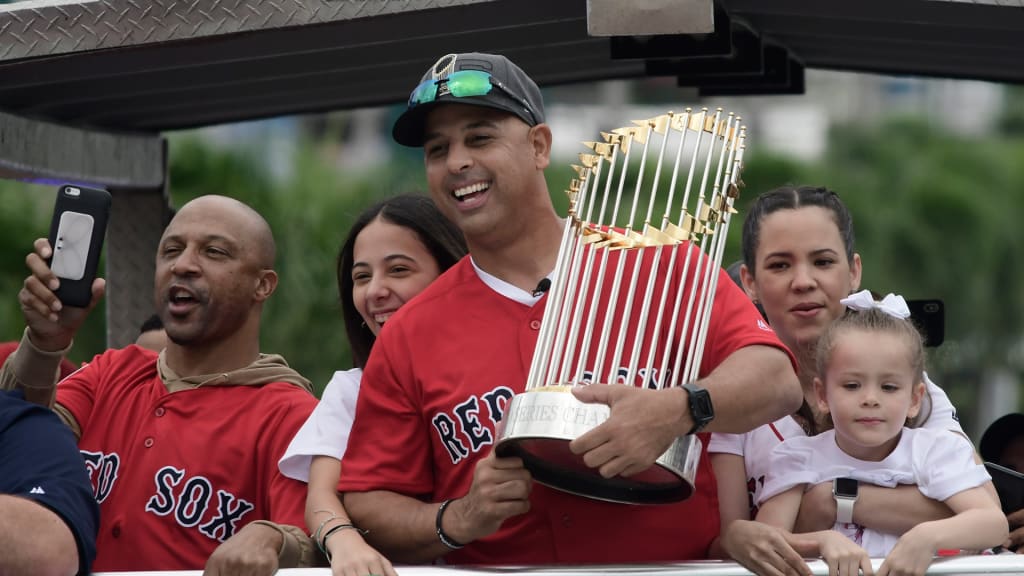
x: 34, y: 149
x: 62, y: 28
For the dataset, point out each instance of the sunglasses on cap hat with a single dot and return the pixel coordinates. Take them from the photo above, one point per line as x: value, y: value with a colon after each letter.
x: 464, y: 84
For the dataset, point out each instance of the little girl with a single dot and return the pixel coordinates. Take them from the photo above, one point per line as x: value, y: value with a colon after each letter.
x: 870, y: 366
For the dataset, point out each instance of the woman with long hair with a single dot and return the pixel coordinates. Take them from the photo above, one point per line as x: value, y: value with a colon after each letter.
x: 395, y: 249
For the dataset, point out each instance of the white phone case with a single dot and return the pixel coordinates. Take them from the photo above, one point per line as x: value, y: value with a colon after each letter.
x: 74, y: 235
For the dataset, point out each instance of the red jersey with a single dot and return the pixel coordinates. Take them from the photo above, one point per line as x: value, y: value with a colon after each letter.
x: 177, y: 474
x: 440, y: 378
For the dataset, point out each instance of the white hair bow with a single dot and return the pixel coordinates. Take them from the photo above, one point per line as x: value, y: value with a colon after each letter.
x: 893, y: 304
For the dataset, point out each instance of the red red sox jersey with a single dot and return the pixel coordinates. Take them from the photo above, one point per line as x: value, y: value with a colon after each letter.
x: 439, y: 379
x: 177, y: 474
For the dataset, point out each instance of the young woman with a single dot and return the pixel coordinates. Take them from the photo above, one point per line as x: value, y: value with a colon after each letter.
x: 870, y: 364
x: 393, y: 251
x: 799, y: 262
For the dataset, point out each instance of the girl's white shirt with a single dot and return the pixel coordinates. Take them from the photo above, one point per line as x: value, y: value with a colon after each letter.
x: 327, y: 429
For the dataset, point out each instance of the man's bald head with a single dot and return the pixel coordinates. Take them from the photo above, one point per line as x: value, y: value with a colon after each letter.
x: 253, y: 229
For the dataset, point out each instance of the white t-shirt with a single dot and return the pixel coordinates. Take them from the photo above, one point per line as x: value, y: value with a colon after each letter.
x: 756, y: 446
x: 326, y: 431
x: 939, y: 463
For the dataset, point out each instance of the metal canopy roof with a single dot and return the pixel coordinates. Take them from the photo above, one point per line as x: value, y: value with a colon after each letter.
x: 165, y: 64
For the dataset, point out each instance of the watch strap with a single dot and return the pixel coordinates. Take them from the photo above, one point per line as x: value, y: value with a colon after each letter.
x: 844, y: 509
x: 699, y: 402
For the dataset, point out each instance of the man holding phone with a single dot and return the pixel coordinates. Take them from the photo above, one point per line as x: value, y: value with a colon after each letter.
x: 182, y: 447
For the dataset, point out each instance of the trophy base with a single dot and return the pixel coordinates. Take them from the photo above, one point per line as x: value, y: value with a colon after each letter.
x: 538, y: 426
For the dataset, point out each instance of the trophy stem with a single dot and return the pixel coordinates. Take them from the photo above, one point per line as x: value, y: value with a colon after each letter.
x: 567, y: 365
x: 691, y: 172
x: 542, y: 349
x: 641, y: 330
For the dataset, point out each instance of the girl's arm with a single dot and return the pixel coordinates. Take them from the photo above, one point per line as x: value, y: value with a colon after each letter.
x: 733, y: 499
x: 890, y: 510
x: 781, y: 510
x: 349, y: 553
x: 979, y: 523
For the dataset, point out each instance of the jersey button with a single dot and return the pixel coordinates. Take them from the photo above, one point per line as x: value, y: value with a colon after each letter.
x: 159, y: 412
x: 148, y: 443
x: 566, y: 521
x: 535, y: 324
x: 116, y: 531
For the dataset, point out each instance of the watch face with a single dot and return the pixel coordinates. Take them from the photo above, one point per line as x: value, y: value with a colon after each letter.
x: 702, y: 405
x: 700, y: 402
x: 845, y: 487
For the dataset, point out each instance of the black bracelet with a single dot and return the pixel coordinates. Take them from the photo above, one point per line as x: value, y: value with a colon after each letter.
x: 448, y: 542
x: 322, y: 543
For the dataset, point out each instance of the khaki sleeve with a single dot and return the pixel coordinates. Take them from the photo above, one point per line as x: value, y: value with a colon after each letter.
x: 297, y: 548
x: 68, y: 419
x: 32, y: 370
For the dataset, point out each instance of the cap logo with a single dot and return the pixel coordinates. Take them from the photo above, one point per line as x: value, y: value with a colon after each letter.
x: 443, y: 68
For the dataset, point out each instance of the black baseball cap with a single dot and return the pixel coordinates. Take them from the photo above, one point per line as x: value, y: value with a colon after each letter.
x: 998, y: 435
x: 511, y: 90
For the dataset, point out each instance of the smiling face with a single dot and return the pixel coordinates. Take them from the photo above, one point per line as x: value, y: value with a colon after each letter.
x: 484, y: 169
x: 390, y: 266
x: 801, y: 273
x: 871, y: 388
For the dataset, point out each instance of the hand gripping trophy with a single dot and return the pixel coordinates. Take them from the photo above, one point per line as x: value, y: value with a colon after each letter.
x: 631, y: 298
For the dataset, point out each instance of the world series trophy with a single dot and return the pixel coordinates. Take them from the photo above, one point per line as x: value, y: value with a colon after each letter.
x: 630, y: 299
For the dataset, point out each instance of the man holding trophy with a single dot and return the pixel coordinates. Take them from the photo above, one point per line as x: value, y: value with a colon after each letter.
x: 422, y: 473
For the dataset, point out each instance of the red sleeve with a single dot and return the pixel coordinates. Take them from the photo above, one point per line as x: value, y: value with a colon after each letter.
x: 287, y: 501
x: 67, y: 368
x: 78, y: 391
x: 286, y: 497
x: 735, y: 323
x: 389, y: 447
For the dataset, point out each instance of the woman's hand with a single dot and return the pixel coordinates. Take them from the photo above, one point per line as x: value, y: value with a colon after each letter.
x: 766, y: 550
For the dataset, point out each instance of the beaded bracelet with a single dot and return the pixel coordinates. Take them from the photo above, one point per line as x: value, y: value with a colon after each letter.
x: 448, y: 542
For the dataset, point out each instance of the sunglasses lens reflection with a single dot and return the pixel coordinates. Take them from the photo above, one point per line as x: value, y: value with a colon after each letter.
x: 461, y: 84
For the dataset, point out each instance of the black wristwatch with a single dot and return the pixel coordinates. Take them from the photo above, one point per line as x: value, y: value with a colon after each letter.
x: 701, y: 410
